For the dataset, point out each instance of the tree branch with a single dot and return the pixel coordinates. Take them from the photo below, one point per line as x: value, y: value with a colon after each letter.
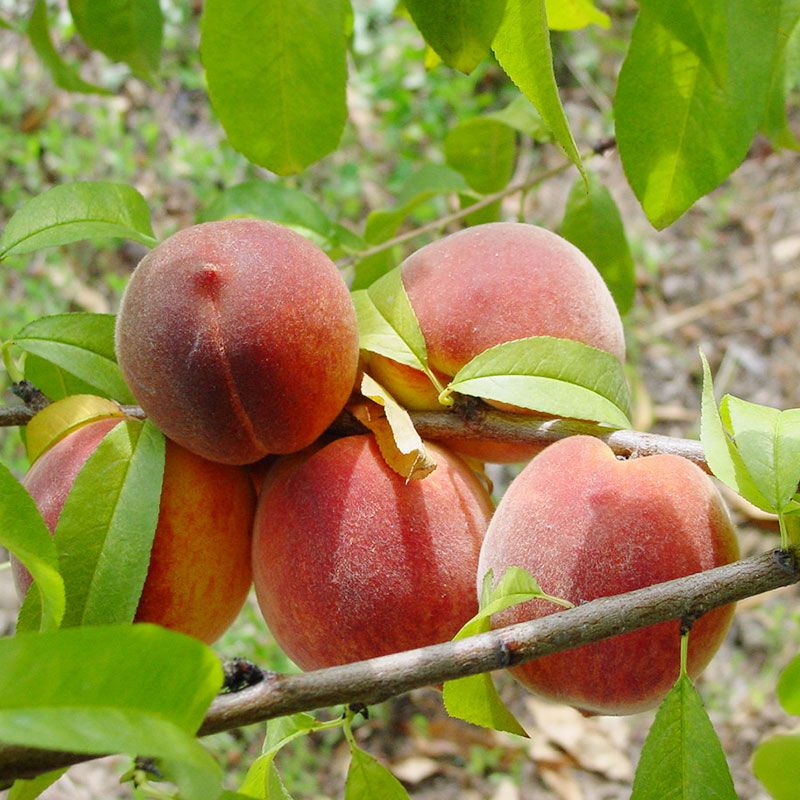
x: 489, y: 199
x: 480, y: 421
x: 378, y: 679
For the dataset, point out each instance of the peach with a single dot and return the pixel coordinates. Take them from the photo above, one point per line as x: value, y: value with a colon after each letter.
x: 199, y: 572
x: 238, y: 338
x: 351, y: 561
x: 491, y: 284
x: 588, y: 525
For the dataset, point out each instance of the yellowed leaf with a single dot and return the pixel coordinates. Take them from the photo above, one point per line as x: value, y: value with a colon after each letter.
x: 58, y: 419
x: 400, y: 444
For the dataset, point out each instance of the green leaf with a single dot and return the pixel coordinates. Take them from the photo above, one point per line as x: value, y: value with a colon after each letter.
x: 75, y: 211
x: 682, y: 756
x: 522, y: 47
x: 64, y: 76
x: 664, y: 86
x: 368, y: 779
x: 569, y: 15
x: 31, y: 789
x: 83, y: 346
x: 721, y: 454
x: 685, y: 21
x: 7, y: 25
x: 785, y: 80
x: 262, y: 777
x: 520, y: 115
x: 276, y: 72
x: 138, y: 689
x: 776, y: 763
x: 106, y: 528
x: 277, y: 203
x: 768, y: 441
x: 54, y: 382
x: 23, y: 533
x: 125, y: 30
x: 789, y: 687
x: 387, y: 323
x: 592, y: 223
x: 475, y: 698
x: 554, y: 376
x: 460, y: 31
x: 483, y: 150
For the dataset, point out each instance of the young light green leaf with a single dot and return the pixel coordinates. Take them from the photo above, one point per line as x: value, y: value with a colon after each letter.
x: 64, y: 76
x: 714, y: 117
x: 277, y: 203
x: 768, y: 441
x: 75, y: 211
x: 31, y: 789
x: 280, y: 732
x: 23, y: 533
x: 569, y: 15
x: 592, y: 223
x: 83, y: 346
x: 789, y: 687
x: 388, y: 325
x: 522, y: 47
x: 141, y: 690
x: 106, y: 528
x: 775, y: 123
x: 368, y: 779
x: 475, y: 699
x: 554, y: 376
x: 276, y: 74
x: 721, y: 454
x: 483, y: 150
x: 125, y: 30
x: 682, y: 756
x: 776, y: 763
x: 460, y: 31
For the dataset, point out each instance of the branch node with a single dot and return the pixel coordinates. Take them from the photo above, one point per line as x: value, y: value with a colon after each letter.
x: 786, y: 560
x: 33, y: 397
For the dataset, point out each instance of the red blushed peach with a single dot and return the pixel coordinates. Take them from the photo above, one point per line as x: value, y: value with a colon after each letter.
x: 199, y: 572
x: 350, y: 561
x: 239, y: 340
x: 587, y: 525
x: 491, y: 284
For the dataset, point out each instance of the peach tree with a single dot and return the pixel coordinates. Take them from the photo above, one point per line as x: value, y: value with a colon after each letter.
x: 698, y: 84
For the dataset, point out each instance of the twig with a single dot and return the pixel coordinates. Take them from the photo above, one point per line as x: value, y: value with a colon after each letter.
x: 489, y: 199
x: 378, y: 679
x: 483, y: 422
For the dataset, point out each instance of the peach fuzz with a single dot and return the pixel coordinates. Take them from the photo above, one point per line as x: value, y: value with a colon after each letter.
x: 495, y: 283
x: 239, y: 340
x: 350, y: 561
x: 588, y: 525
x: 199, y: 572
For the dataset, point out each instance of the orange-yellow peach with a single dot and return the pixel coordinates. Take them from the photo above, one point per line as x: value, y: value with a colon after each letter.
x: 587, y: 525
x: 491, y: 284
x: 351, y: 561
x: 199, y: 572
x: 239, y: 340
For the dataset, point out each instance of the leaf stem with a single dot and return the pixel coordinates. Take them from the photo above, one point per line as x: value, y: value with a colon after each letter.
x: 14, y: 372
x: 784, y: 530
x: 684, y: 653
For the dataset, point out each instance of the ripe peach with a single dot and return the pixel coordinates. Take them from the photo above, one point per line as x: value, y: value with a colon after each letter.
x: 239, y: 340
x: 199, y: 572
x: 350, y: 561
x: 587, y: 525
x: 490, y: 284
